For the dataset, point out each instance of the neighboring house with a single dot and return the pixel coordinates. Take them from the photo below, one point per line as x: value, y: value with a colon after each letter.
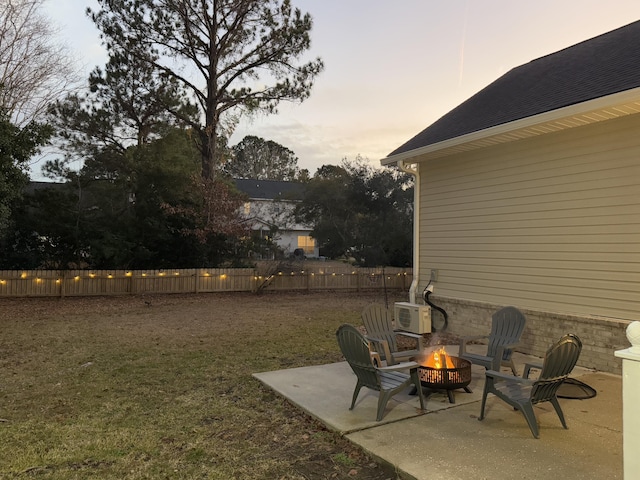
x: 528, y: 194
x: 269, y: 209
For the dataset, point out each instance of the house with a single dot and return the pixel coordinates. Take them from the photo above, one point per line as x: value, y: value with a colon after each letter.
x: 269, y: 209
x: 528, y: 194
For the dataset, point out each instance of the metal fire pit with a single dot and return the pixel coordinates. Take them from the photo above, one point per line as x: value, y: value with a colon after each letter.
x: 447, y: 379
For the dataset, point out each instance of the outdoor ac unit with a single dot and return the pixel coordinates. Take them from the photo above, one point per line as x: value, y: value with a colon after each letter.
x: 412, y: 317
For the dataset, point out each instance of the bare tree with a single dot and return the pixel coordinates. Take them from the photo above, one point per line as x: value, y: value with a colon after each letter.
x: 34, y: 68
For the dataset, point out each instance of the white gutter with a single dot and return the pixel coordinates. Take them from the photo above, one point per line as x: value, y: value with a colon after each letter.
x: 591, y: 111
x: 413, y: 169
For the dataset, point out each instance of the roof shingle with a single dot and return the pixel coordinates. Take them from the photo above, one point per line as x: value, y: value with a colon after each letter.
x: 270, y: 189
x: 601, y: 66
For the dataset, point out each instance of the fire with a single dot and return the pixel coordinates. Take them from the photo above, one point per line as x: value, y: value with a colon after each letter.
x: 439, y: 359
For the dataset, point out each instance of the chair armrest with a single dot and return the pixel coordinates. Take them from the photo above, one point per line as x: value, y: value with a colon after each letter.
x: 415, y: 336
x: 473, y: 337
x: 407, y: 334
x: 385, y: 348
x: 375, y: 358
x: 464, y: 340
x: 508, y: 377
x: 499, y: 357
x: 528, y: 367
x: 399, y: 366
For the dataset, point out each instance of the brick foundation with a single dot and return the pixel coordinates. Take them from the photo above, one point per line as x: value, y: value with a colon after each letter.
x: 600, y: 336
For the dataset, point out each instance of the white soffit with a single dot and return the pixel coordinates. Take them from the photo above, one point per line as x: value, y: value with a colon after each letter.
x: 593, y: 111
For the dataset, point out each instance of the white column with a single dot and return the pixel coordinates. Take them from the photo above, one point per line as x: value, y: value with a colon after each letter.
x: 631, y: 402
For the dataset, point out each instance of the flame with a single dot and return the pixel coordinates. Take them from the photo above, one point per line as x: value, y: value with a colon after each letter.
x: 439, y: 359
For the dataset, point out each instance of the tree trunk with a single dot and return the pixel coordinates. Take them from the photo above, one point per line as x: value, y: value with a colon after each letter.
x: 208, y: 153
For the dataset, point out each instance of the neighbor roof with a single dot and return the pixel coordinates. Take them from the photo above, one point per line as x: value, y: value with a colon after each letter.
x: 601, y: 66
x: 270, y: 189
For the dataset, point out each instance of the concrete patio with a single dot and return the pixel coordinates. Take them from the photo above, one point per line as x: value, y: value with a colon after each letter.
x: 448, y: 442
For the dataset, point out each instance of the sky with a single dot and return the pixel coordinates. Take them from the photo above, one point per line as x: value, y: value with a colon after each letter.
x: 392, y: 68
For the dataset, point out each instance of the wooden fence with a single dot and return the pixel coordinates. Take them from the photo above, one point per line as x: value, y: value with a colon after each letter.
x: 61, y: 283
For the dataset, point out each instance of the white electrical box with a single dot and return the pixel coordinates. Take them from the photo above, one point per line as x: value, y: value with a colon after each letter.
x: 412, y: 317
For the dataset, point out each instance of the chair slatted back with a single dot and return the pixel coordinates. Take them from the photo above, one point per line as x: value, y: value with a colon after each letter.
x: 378, y: 322
x: 355, y: 349
x: 558, y: 364
x: 507, y: 325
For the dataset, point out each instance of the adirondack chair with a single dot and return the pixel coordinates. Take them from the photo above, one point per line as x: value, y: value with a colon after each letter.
x: 386, y: 380
x: 523, y: 393
x: 377, y: 320
x: 507, y: 325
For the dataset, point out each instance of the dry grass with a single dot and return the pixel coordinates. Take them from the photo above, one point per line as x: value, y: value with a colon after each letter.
x: 161, y: 387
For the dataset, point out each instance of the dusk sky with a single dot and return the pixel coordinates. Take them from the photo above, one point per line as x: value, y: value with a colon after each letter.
x: 393, y: 68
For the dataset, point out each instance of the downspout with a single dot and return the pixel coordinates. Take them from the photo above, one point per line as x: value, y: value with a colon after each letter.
x: 412, y: 169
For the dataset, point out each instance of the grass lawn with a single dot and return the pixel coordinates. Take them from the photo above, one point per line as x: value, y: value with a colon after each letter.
x: 160, y: 387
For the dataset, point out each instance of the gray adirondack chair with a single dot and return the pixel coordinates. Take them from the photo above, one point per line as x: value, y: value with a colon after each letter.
x: 507, y: 325
x: 378, y: 322
x: 522, y: 393
x: 386, y: 380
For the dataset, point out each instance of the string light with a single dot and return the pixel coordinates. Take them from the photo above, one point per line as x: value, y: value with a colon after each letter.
x: 59, y: 281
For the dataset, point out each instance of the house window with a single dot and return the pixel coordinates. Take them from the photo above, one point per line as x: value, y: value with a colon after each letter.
x: 247, y: 208
x: 307, y: 243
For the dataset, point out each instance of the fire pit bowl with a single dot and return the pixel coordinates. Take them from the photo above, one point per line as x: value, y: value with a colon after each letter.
x: 447, y: 373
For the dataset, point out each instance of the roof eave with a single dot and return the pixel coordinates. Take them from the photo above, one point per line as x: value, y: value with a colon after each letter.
x: 592, y: 111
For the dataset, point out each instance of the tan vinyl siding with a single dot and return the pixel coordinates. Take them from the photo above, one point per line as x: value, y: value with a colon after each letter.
x: 549, y: 223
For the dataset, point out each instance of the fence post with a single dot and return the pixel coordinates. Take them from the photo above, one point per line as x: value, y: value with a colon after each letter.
x: 630, y: 398
x: 62, y: 277
x: 255, y: 279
